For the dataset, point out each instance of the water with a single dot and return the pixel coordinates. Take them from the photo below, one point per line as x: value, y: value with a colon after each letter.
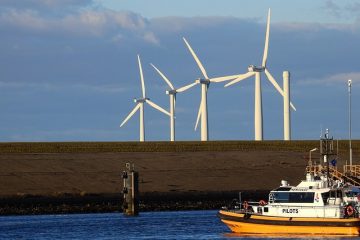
x: 150, y: 225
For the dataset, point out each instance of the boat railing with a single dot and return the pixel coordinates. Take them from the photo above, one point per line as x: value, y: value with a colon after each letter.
x: 305, y: 207
x: 352, y: 170
x: 341, y: 176
x: 352, y: 178
x: 314, y: 169
x: 248, y: 208
x: 244, y: 207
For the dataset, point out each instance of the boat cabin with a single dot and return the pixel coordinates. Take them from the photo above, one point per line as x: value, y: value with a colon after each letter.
x: 311, y: 198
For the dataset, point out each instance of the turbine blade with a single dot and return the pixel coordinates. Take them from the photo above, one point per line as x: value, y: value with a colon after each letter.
x: 274, y: 83
x: 131, y: 114
x: 141, y: 78
x: 163, y: 76
x: 182, y: 89
x: 267, y: 35
x: 157, y: 107
x: 197, y: 60
x: 242, y: 77
x: 198, y: 117
x: 226, y: 78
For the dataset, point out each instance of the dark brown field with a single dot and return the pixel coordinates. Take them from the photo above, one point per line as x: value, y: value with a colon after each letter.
x: 82, y: 177
x: 53, y: 169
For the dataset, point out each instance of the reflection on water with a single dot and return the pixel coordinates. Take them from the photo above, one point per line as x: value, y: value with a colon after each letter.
x: 150, y: 225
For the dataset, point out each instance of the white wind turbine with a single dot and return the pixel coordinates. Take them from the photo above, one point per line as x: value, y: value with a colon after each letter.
x: 254, y: 70
x: 172, y: 95
x: 205, y: 82
x: 140, y: 105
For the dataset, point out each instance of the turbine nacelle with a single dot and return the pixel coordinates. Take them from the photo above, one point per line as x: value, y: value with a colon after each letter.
x: 253, y: 68
x: 202, y: 81
x: 140, y: 100
x: 171, y: 92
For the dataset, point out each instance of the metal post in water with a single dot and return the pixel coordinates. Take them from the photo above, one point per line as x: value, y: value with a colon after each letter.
x: 130, y: 191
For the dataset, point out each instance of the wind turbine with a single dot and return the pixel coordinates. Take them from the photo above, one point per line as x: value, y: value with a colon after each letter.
x: 255, y: 70
x: 172, y: 95
x: 140, y: 105
x: 205, y: 82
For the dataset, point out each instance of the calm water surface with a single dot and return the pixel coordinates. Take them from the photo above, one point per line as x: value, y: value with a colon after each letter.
x: 150, y: 225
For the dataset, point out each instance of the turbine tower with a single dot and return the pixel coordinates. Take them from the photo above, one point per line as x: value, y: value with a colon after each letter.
x: 205, y: 82
x: 172, y: 95
x: 140, y: 105
x: 257, y: 70
x: 287, y: 117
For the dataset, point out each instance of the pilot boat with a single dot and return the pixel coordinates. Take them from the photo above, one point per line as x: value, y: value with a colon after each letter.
x: 318, y: 205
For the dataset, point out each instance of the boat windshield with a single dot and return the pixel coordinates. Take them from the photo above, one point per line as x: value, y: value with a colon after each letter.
x: 283, y: 189
x: 293, y: 197
x: 325, y: 197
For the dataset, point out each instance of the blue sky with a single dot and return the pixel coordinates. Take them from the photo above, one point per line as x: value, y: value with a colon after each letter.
x: 68, y: 68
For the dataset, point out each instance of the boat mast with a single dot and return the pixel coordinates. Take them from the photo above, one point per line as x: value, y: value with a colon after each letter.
x: 326, y: 152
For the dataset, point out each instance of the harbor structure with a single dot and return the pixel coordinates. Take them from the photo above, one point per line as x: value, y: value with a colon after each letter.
x: 130, y: 191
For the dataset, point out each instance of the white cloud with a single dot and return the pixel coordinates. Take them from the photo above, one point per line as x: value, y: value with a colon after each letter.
x: 331, y: 7
x: 114, y: 25
x: 41, y: 4
x: 151, y: 38
x: 28, y: 19
x: 102, y: 22
x: 178, y: 24
x: 128, y: 20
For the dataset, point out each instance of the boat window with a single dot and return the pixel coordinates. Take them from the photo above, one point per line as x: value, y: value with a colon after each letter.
x: 281, y: 197
x: 283, y: 189
x: 339, y: 194
x: 303, y: 197
x: 266, y: 209
x: 335, y: 194
x: 294, y: 197
x: 325, y: 196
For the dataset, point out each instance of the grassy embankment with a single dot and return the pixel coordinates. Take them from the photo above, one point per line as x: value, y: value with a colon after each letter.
x: 180, y: 146
x: 55, y: 177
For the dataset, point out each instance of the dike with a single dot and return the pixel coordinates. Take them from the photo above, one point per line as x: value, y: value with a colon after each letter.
x: 105, y: 203
x: 85, y: 177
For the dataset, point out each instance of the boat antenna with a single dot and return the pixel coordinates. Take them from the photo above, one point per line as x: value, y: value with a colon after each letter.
x: 321, y: 132
x: 326, y: 150
x: 350, y: 149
